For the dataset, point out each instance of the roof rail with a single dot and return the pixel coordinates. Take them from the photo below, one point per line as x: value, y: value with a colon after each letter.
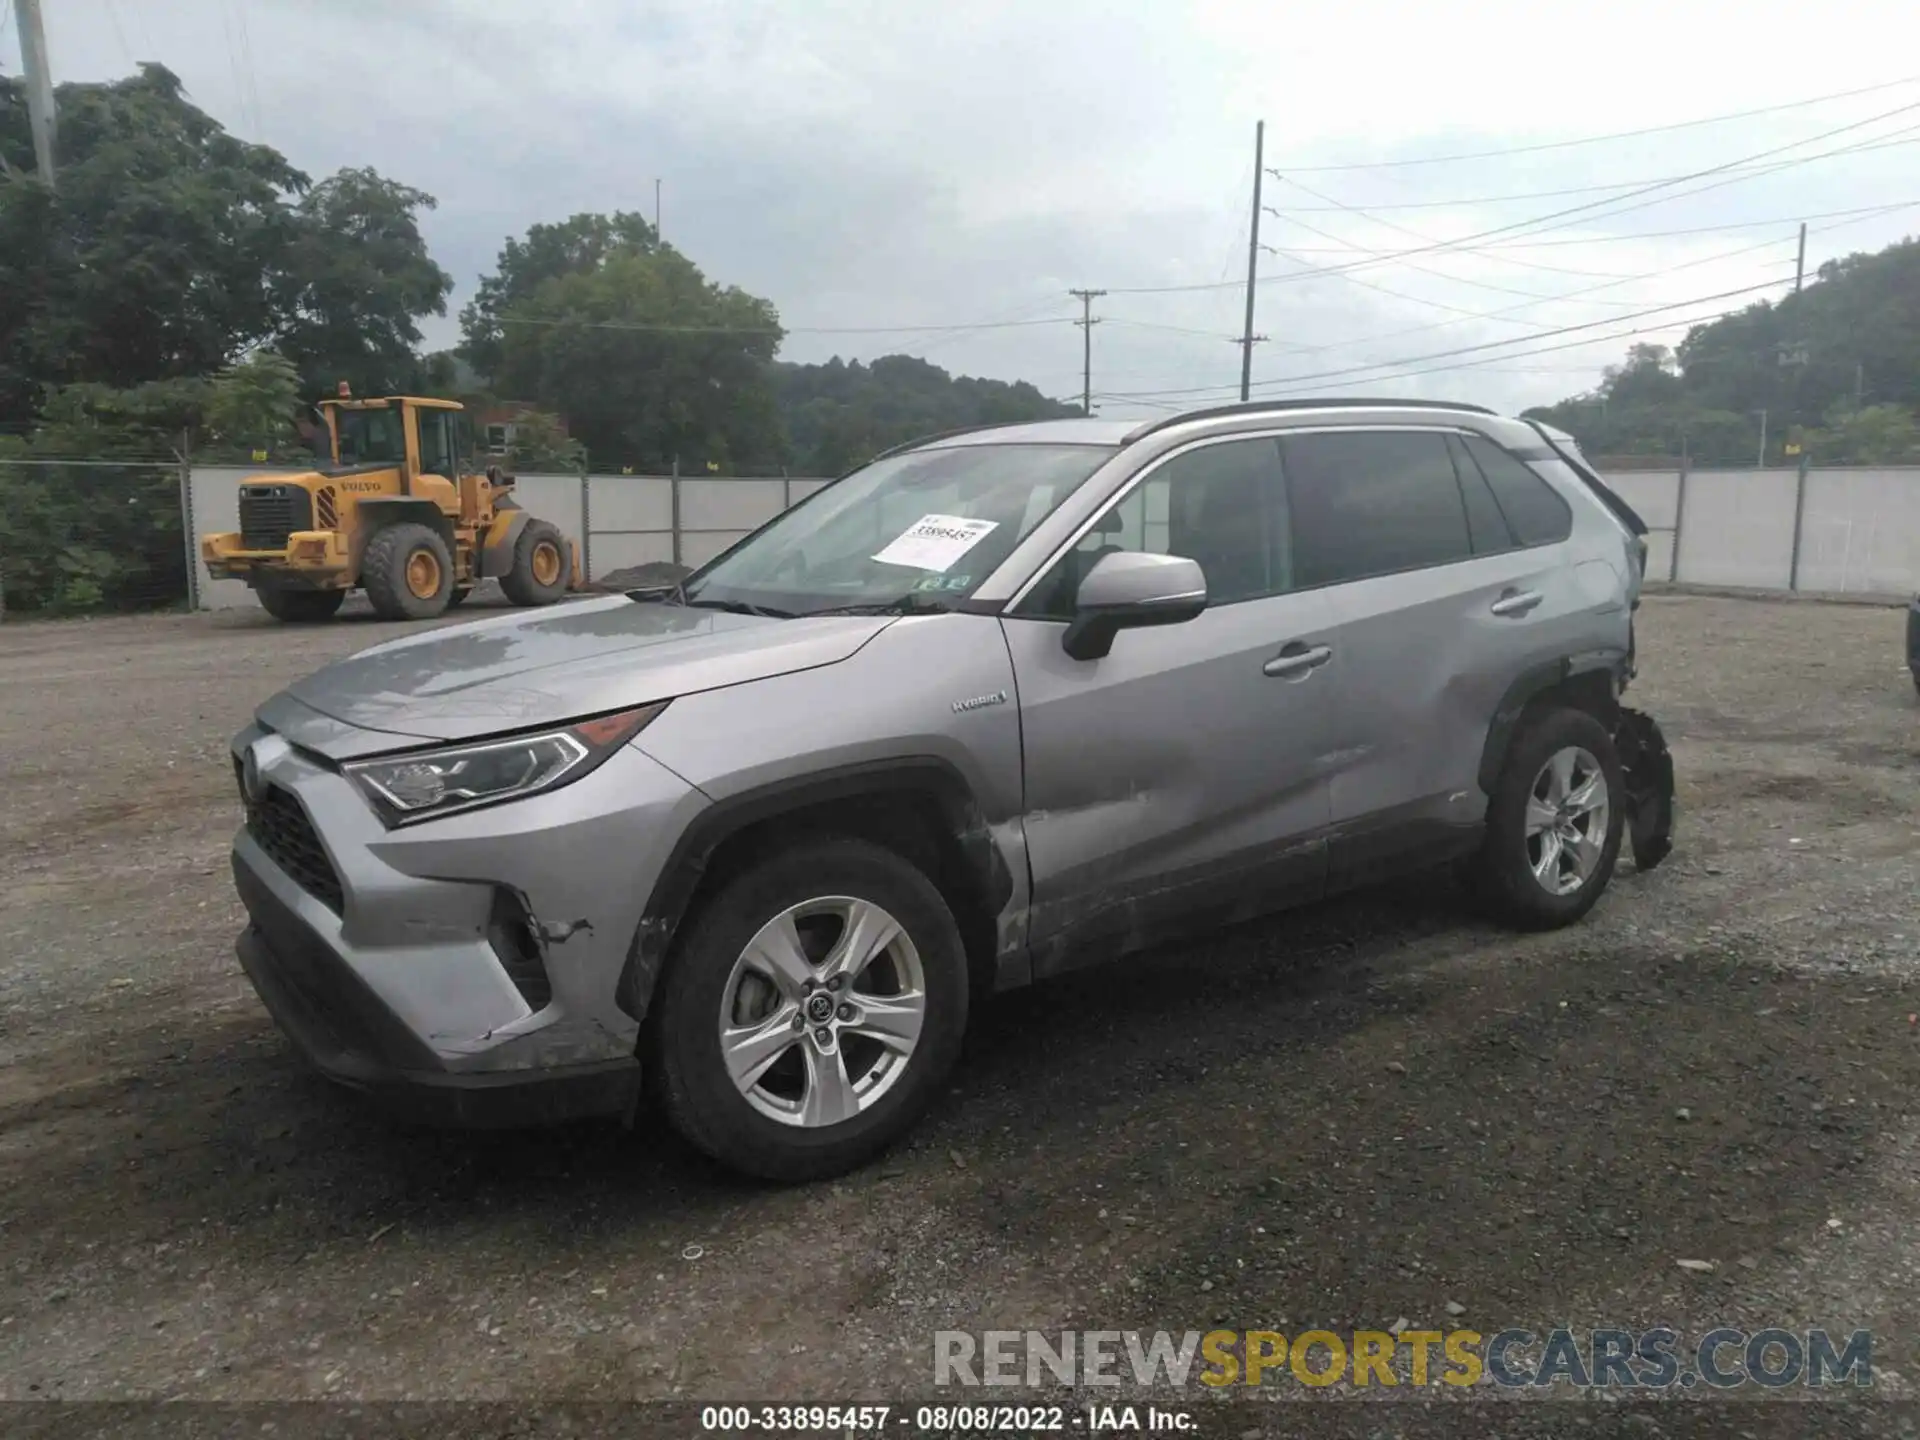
x: 1256, y: 407
x: 919, y: 440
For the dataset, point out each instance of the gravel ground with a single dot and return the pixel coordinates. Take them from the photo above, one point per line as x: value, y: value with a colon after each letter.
x: 1376, y: 1109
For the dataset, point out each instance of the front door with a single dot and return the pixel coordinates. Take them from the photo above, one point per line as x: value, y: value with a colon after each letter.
x: 1181, y: 779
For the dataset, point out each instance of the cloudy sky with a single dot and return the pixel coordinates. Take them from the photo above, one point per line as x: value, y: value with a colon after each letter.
x: 877, y: 165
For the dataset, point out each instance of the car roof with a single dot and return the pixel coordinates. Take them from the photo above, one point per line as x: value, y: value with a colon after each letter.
x: 1080, y: 430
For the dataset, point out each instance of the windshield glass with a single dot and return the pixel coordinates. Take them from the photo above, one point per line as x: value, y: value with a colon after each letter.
x: 367, y: 436
x: 920, y: 529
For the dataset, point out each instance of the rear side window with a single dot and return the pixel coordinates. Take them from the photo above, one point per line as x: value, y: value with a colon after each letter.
x: 1486, y: 526
x: 1534, y: 509
x: 1371, y: 502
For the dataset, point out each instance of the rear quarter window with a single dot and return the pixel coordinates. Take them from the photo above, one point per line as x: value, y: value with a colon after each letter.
x: 1536, y: 512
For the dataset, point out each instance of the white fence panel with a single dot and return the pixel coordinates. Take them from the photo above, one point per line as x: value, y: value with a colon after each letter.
x: 1654, y: 493
x: 1860, y: 532
x: 215, y: 505
x: 1737, y: 528
x: 735, y: 505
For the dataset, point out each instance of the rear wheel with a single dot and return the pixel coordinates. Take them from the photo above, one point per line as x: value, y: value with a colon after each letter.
x: 811, y: 1012
x: 1554, y: 822
x: 407, y: 572
x: 301, y: 607
x: 539, y: 573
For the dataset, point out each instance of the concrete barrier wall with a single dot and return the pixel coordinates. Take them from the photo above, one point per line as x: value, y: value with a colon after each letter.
x: 1861, y: 532
x: 1737, y: 528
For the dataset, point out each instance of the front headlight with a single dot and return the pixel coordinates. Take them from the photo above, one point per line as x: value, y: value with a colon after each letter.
x: 427, y: 784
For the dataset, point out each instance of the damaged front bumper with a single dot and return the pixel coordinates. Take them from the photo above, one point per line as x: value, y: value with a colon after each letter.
x: 465, y: 970
x: 1647, y: 771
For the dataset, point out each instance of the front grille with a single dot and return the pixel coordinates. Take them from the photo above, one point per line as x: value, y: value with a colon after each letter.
x: 270, y: 513
x: 279, y: 826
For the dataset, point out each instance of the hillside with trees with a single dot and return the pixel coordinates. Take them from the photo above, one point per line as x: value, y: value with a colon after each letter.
x: 1835, y: 367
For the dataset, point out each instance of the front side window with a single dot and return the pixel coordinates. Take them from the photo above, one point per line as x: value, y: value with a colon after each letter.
x: 1222, y: 506
x: 370, y: 437
x: 436, y: 446
x: 1372, y: 502
x: 915, y: 531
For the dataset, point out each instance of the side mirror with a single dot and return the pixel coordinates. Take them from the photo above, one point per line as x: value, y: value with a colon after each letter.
x: 1128, y: 591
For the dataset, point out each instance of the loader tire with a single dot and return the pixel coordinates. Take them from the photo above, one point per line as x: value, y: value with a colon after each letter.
x: 540, y: 569
x: 300, y: 607
x: 407, y: 572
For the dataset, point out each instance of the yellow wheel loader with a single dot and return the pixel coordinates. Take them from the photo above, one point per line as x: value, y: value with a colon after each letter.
x: 391, y: 512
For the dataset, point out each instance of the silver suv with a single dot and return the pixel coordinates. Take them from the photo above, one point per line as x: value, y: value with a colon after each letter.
x: 997, y: 704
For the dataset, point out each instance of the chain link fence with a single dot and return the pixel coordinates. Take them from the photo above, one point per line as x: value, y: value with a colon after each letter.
x: 91, y: 536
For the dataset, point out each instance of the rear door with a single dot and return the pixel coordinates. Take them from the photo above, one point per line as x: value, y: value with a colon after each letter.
x: 1439, y: 609
x: 1180, y: 780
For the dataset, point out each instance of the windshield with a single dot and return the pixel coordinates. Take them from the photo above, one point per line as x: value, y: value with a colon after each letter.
x: 367, y: 436
x: 911, y: 531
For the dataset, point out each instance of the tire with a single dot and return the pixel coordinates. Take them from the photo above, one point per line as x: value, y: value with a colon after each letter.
x: 710, y: 981
x: 1503, y: 874
x: 301, y: 607
x: 541, y: 565
x: 458, y: 595
x: 407, y: 572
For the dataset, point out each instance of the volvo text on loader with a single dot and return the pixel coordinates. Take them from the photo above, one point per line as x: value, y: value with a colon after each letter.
x: 390, y: 511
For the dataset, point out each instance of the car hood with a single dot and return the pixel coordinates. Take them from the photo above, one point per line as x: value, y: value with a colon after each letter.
x: 539, y: 668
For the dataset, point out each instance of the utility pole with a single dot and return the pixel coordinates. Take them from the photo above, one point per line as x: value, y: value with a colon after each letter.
x: 656, y: 212
x: 40, y: 118
x: 1761, y: 462
x: 1800, y: 263
x: 1253, y: 261
x: 1086, y: 322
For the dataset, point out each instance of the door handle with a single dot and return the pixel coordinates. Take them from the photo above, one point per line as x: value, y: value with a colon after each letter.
x: 1516, y: 602
x: 1297, y: 661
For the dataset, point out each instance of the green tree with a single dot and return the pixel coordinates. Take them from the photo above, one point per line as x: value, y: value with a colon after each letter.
x: 542, y: 446
x: 171, y: 248
x: 841, y: 414
x: 1847, y: 344
x: 250, y: 405
x: 573, y: 247
x: 352, y: 282
x: 649, y: 361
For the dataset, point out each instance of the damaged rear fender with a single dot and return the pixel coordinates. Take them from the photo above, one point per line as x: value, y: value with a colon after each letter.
x: 1646, y: 767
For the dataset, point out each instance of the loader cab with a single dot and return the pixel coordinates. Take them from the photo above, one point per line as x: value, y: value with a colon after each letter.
x: 425, y: 440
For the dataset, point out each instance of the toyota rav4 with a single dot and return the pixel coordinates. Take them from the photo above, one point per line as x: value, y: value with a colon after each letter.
x: 997, y: 704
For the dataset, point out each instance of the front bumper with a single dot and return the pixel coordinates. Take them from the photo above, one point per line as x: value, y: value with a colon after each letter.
x: 311, y: 560
x: 384, y: 958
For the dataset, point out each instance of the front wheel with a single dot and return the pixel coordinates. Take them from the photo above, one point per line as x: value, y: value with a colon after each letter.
x: 1554, y: 822
x: 811, y: 1012
x: 408, y: 572
x: 539, y: 572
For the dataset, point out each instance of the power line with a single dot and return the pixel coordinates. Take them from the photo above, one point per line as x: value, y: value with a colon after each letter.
x: 1502, y: 314
x: 646, y: 327
x: 1463, y: 203
x: 1861, y: 210
x: 1490, y: 344
x: 1560, y: 215
x: 1616, y: 135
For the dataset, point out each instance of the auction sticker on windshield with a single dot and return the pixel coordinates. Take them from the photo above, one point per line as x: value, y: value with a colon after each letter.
x: 935, y: 542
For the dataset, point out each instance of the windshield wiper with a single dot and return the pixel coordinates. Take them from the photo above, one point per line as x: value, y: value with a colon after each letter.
x: 910, y: 604
x: 735, y: 607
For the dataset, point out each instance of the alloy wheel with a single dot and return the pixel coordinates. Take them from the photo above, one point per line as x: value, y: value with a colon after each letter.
x: 1567, y: 813
x: 822, y: 1011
